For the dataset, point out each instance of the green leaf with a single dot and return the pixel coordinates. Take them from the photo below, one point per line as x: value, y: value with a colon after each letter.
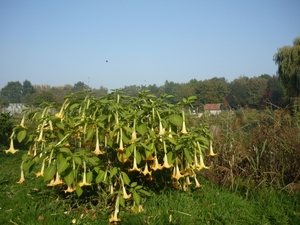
x: 100, y: 176
x: 125, y: 178
x: 113, y: 172
x: 60, y: 125
x: 144, y: 192
x: 79, y: 190
x: 187, y: 155
x: 176, y: 120
x: 172, y: 140
x: 21, y: 135
x: 49, y: 172
x: 129, y: 150
x: 138, y: 157
x: 122, y: 201
x: 65, y: 150
x: 136, y: 198
x: 142, y: 129
x: 69, y: 178
x: 62, y: 165
x: 78, y: 160
x: 90, y: 133
x: 89, y: 177
x: 133, y: 184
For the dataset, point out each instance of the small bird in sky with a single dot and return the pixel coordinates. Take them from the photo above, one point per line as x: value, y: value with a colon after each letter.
x: 106, y: 60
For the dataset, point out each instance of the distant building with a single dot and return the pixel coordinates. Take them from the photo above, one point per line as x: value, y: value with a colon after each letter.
x: 213, y: 109
x: 14, y: 108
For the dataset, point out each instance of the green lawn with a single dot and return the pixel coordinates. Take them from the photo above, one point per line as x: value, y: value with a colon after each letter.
x: 34, y: 203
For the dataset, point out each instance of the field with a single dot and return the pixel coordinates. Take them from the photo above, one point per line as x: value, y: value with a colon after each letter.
x: 34, y: 203
x: 253, y: 180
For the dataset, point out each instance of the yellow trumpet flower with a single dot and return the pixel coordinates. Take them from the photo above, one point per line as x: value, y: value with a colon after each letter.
x: 161, y: 129
x: 56, y: 181
x: 70, y: 189
x: 146, y: 170
x: 41, y: 173
x: 176, y: 173
x: 183, y: 129
x: 83, y: 182
x: 97, y: 150
x: 202, y: 166
x: 211, y: 152
x: 198, y: 185
x: 125, y: 195
x: 166, y: 163
x: 22, y: 124
x: 135, y: 167
x: 155, y: 165
x: 22, y: 178
x: 11, y: 149
x: 114, y: 217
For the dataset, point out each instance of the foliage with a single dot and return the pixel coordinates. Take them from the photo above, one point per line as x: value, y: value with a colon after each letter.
x: 6, y: 126
x: 32, y: 203
x: 259, y: 148
x: 115, y: 144
x: 12, y: 92
x: 288, y: 60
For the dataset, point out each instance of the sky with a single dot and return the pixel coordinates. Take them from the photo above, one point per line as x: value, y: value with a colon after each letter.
x: 145, y: 42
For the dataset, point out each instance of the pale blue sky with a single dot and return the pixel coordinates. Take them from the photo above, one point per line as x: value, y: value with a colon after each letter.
x: 145, y: 42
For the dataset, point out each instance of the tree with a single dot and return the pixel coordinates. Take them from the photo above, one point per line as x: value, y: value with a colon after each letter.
x: 256, y: 88
x: 80, y: 86
x: 12, y: 92
x: 288, y: 60
x: 238, y: 94
x: 274, y: 92
x: 27, y: 88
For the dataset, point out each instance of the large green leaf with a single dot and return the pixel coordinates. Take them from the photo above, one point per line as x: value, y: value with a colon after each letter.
x: 136, y: 198
x: 176, y: 120
x: 142, y: 129
x: 69, y: 178
x: 100, y: 176
x: 49, y: 172
x: 62, y: 164
x: 21, y: 135
x: 125, y: 178
x: 79, y: 190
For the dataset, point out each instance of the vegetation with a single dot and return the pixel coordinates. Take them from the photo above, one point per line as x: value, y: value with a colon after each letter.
x: 124, y: 154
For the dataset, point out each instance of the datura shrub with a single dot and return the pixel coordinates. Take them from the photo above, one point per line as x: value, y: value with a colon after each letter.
x: 114, y: 142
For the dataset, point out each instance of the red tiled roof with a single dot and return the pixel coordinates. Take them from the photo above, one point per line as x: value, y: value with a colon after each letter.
x: 212, y: 107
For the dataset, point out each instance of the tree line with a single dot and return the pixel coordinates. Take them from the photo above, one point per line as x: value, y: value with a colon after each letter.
x: 243, y: 92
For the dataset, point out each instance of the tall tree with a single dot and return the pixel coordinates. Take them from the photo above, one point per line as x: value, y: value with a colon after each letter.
x: 256, y: 88
x: 237, y: 97
x: 12, y: 92
x: 288, y: 60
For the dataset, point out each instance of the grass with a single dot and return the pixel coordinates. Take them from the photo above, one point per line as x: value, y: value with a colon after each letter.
x: 34, y: 203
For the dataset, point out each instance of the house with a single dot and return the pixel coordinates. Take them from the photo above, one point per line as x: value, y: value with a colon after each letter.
x: 14, y: 108
x: 213, y: 109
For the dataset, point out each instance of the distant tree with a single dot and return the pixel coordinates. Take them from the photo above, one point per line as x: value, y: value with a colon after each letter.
x: 275, y: 92
x: 43, y: 97
x: 102, y: 91
x: 80, y: 86
x: 27, y: 88
x: 12, y: 92
x: 212, y: 91
x: 237, y: 97
x: 288, y: 60
x: 256, y: 88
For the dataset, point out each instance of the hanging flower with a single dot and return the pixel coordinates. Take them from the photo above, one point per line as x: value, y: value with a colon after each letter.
x: 11, y: 149
x: 211, y: 152
x: 146, y: 170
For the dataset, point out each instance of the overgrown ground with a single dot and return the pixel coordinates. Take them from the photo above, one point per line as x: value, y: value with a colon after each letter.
x: 34, y: 203
x: 253, y: 180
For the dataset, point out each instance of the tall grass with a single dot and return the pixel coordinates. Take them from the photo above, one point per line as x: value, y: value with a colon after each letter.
x: 34, y: 203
